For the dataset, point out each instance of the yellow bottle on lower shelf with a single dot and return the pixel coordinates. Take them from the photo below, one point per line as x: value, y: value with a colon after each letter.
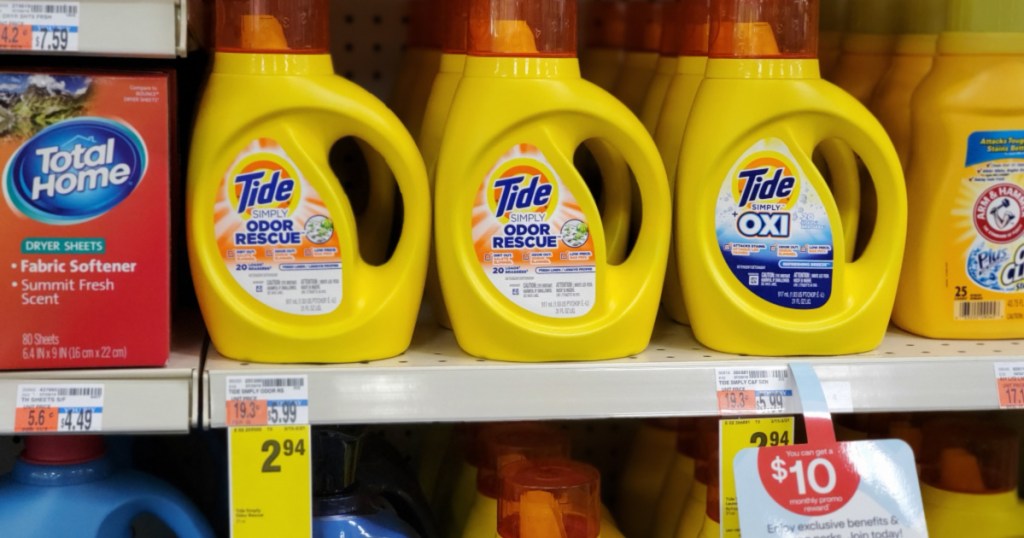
x: 272, y: 237
x: 964, y: 267
x: 969, y: 479
x: 676, y: 486
x: 649, y: 460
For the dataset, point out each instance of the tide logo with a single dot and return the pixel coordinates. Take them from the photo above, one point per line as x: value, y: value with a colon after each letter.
x: 525, y: 188
x: 767, y: 188
x: 264, y: 185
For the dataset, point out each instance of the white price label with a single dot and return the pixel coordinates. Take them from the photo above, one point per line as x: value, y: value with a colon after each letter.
x: 40, y: 26
x: 758, y: 390
x: 69, y: 408
x: 1010, y: 384
x: 267, y: 400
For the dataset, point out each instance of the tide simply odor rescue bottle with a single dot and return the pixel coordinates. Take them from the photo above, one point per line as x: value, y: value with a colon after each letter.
x: 764, y: 257
x: 455, y: 39
x: 964, y: 274
x: 271, y: 235
x: 521, y: 249
x: 693, y: 60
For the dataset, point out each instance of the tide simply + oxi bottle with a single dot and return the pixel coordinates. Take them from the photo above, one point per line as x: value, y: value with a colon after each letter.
x: 765, y: 259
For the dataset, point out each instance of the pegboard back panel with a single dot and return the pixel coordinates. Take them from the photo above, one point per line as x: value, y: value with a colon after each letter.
x: 367, y: 41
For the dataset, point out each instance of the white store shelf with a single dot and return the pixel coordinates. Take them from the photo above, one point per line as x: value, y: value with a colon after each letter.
x: 675, y: 376
x: 142, y: 28
x: 136, y: 400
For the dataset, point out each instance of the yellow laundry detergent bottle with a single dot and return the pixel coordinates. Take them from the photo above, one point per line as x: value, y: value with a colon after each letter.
x: 867, y: 47
x: 668, y: 62
x: 643, y: 43
x: 712, y: 526
x: 647, y: 464
x: 678, y: 480
x: 552, y: 498
x: 521, y: 248
x: 969, y: 479
x: 765, y: 262
x: 964, y: 269
x: 830, y: 42
x: 675, y: 113
x: 605, y: 38
x: 912, y: 59
x: 695, y: 506
x: 271, y: 235
x: 501, y: 446
x: 420, y: 64
x: 455, y: 37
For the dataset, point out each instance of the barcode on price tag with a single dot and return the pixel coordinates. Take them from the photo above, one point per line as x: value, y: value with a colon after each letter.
x: 40, y: 26
x: 1010, y: 384
x: 754, y: 390
x: 59, y: 408
x: 267, y: 400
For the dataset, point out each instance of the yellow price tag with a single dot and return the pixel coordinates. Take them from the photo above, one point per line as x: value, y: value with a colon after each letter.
x: 737, y: 434
x: 271, y: 483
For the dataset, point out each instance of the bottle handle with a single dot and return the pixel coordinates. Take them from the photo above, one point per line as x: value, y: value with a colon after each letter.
x: 358, y: 114
x: 866, y: 138
x: 169, y: 505
x: 623, y: 132
x: 845, y: 174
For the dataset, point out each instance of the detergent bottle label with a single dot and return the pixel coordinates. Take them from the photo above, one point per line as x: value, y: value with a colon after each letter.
x: 773, y: 229
x: 275, y: 234
x: 986, y: 258
x: 532, y: 239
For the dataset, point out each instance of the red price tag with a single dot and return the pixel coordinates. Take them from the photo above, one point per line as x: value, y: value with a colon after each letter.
x: 737, y: 400
x: 246, y: 413
x: 15, y: 36
x: 1011, y: 393
x: 35, y: 419
x: 808, y: 480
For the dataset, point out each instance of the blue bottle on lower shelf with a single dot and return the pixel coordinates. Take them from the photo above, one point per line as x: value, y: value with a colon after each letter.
x: 65, y: 486
x: 341, y: 508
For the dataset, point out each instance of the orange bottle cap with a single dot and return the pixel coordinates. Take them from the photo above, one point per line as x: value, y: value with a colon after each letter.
x: 606, y: 24
x: 523, y: 28
x: 455, y: 26
x: 764, y: 29
x: 509, y: 443
x: 272, y: 26
x: 969, y: 456
x: 643, y: 25
x: 693, y: 40
x: 549, y: 498
x: 671, y: 27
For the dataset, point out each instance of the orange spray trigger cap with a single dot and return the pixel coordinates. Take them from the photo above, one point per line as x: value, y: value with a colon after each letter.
x: 766, y: 29
x: 272, y: 26
x: 549, y: 498
x: 513, y: 442
x: 969, y: 456
x: 518, y: 28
